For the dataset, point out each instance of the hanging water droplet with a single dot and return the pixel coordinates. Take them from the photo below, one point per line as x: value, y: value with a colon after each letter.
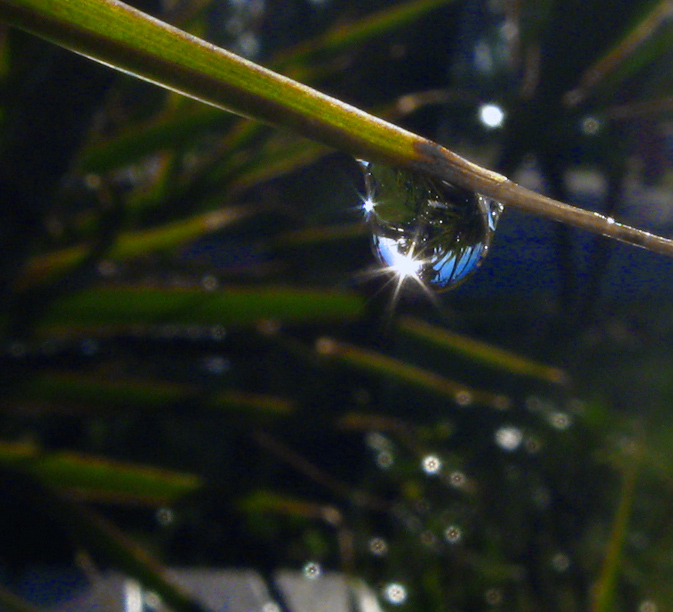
x: 426, y: 228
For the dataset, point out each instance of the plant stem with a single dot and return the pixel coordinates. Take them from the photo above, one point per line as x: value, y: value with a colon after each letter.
x: 122, y: 37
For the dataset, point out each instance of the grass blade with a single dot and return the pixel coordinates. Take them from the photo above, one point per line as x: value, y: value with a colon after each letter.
x: 389, y: 367
x: 480, y: 352
x: 120, y: 36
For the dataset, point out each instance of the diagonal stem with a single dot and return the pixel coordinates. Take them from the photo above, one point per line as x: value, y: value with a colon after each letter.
x: 115, y: 34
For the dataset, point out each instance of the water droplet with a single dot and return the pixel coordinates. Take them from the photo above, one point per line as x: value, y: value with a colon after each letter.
x: 427, y: 229
x: 165, y: 516
x: 560, y: 420
x: 312, y: 570
x: 152, y: 600
x: 216, y: 364
x: 431, y: 464
x: 491, y: 115
x: 648, y: 606
x: 210, y: 282
x: 560, y: 562
x: 457, y: 479
x: 493, y: 596
x: 395, y: 593
x: 378, y: 547
x: 508, y: 437
x: 453, y: 534
x: 385, y: 460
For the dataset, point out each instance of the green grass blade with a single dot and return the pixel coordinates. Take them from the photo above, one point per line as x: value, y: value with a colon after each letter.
x: 111, y: 307
x: 91, y: 394
x: 604, y: 590
x: 120, y: 36
x: 134, y: 244
x: 91, y: 477
x: 480, y: 352
x: 389, y: 367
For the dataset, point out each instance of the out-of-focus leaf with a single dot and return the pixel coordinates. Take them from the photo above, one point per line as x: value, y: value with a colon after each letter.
x: 639, y: 47
x: 139, y: 141
x: 480, y: 352
x: 321, y: 235
x: 113, y: 307
x: 265, y: 501
x: 354, y: 33
x: 400, y: 371
x: 93, y: 393
x: 166, y: 133
x: 99, y: 479
x: 604, y: 589
x: 135, y: 244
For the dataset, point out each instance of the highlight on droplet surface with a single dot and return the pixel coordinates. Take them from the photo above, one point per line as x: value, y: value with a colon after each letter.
x: 427, y: 229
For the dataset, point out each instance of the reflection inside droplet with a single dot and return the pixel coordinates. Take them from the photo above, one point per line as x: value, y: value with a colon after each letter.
x: 427, y: 229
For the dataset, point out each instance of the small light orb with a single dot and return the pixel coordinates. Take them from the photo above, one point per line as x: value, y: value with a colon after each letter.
x: 312, y: 570
x: 491, y: 115
x: 560, y: 562
x: 431, y: 465
x: 648, y: 606
x: 385, y: 460
x: 508, y: 437
x: 453, y: 534
x: 560, y: 420
x: 493, y: 596
x: 395, y: 593
x: 378, y: 547
x: 463, y: 398
x: 165, y: 516
x: 590, y: 125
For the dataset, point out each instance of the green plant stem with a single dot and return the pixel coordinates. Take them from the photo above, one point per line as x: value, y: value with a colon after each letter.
x: 117, y: 35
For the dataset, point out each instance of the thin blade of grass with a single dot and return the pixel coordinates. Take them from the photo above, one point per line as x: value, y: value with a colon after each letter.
x: 67, y: 392
x: 480, y: 352
x: 119, y: 307
x: 122, y: 37
x: 400, y: 371
x: 604, y: 589
x: 92, y: 477
x: 134, y: 244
